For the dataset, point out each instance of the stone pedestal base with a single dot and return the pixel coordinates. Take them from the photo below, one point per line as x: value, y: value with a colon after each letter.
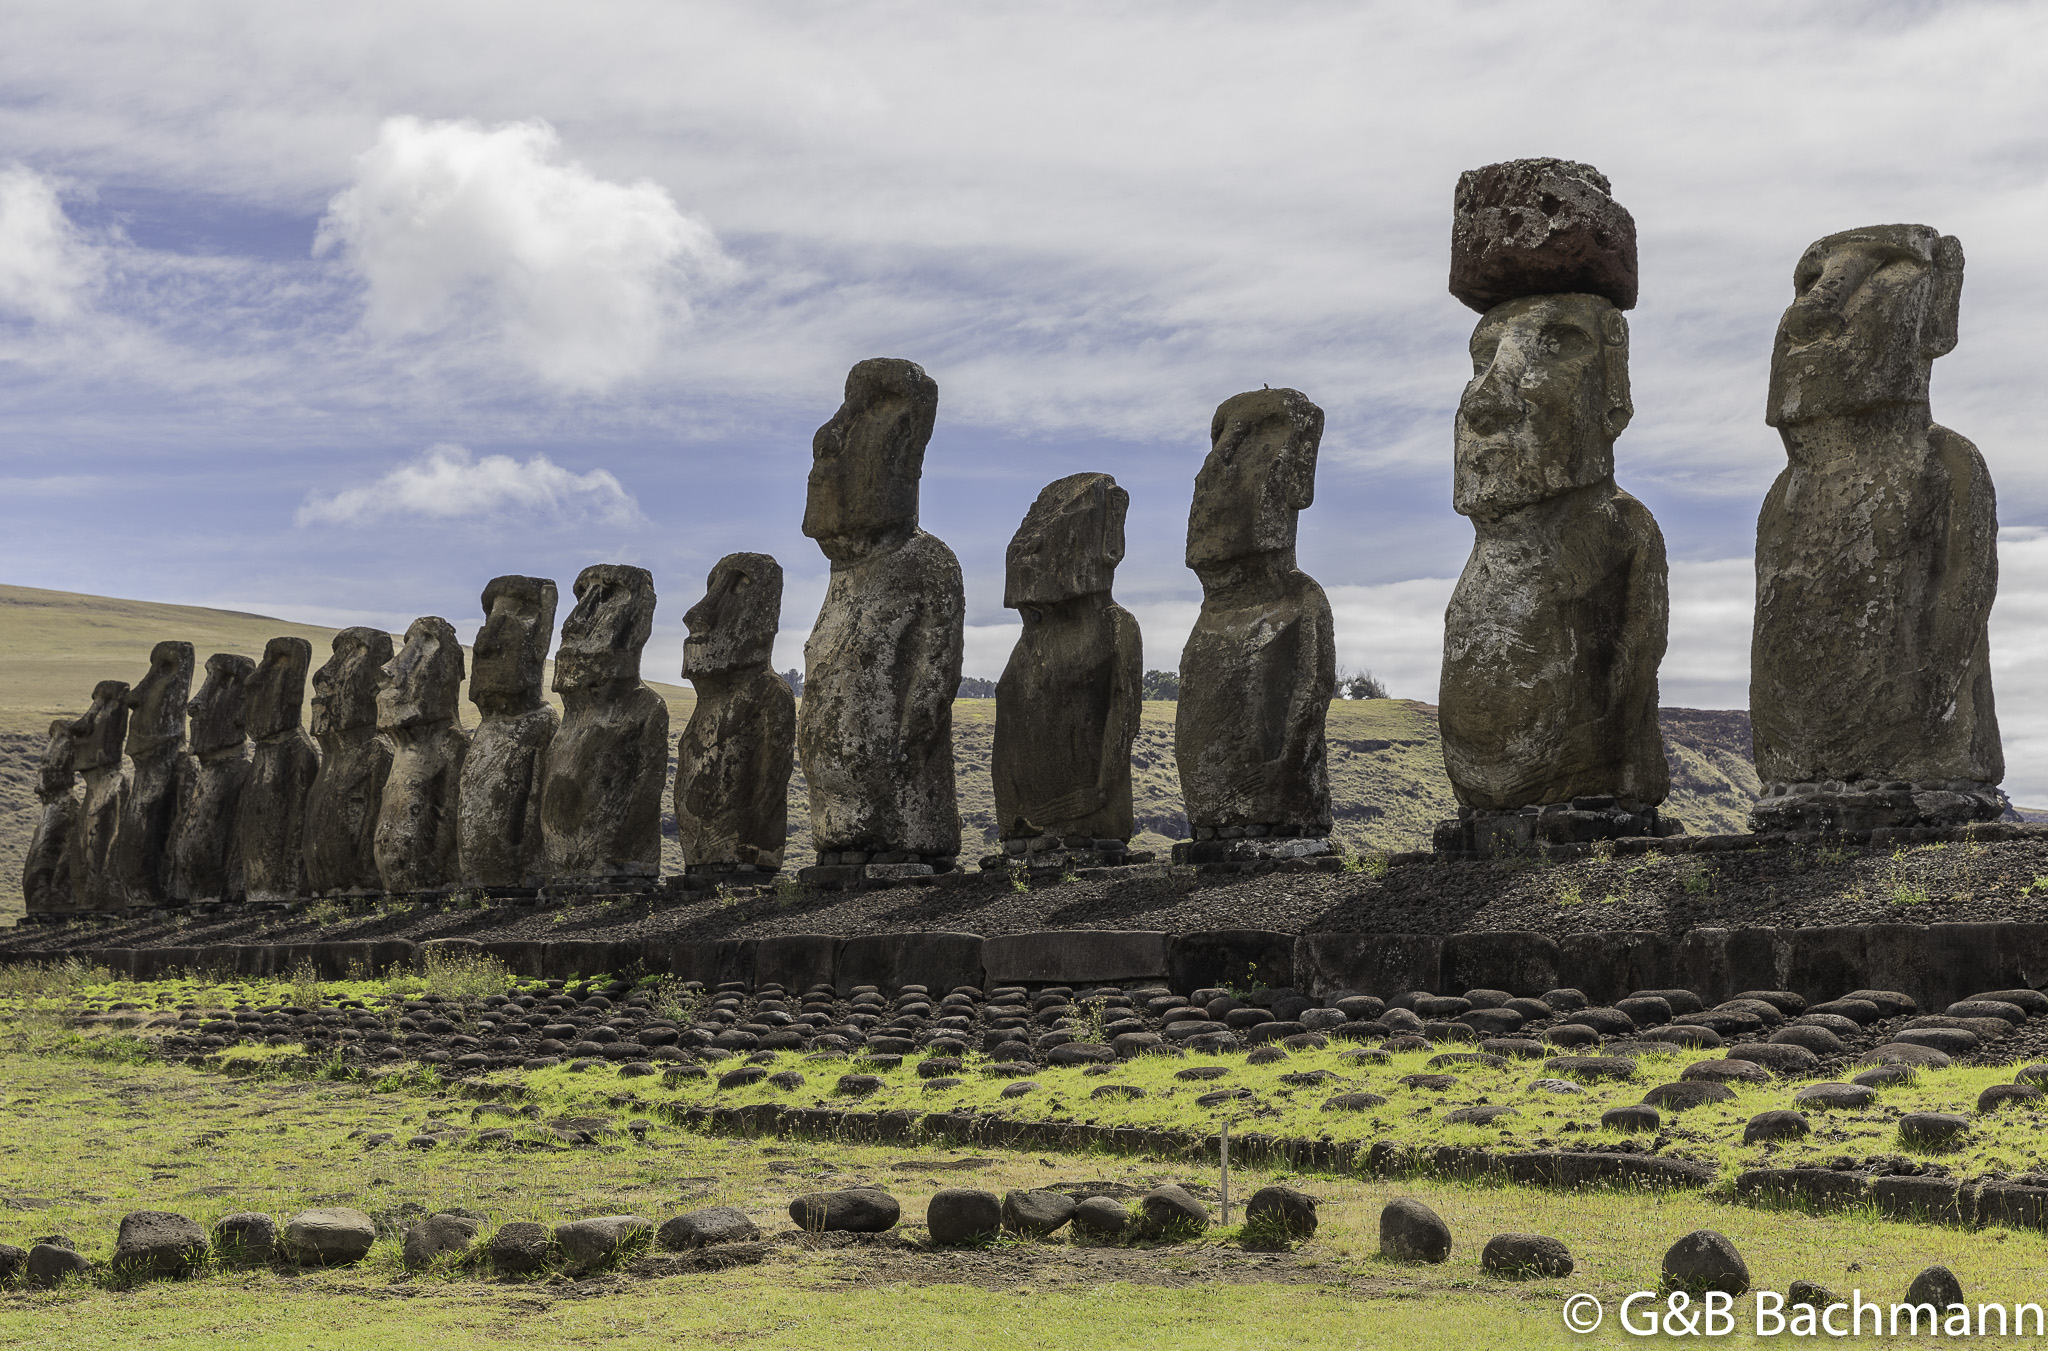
x: 1583, y: 820
x: 631, y: 884
x: 1261, y: 853
x: 707, y: 877
x: 1837, y: 807
x: 1041, y: 854
x: 835, y: 871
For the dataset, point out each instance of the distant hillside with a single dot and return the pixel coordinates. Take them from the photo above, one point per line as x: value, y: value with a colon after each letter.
x: 1386, y: 764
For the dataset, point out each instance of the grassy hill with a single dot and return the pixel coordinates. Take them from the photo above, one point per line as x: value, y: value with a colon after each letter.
x: 1386, y: 764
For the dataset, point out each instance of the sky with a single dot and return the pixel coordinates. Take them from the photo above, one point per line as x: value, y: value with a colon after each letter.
x: 336, y: 312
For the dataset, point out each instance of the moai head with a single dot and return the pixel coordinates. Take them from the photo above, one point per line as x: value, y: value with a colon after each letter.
x: 1871, y: 310
x: 156, y: 705
x: 1549, y: 393
x: 1261, y: 470
x: 421, y: 682
x: 219, y: 712
x: 345, y: 689
x: 277, y: 687
x: 866, y: 462
x: 511, y: 649
x: 59, y: 767
x: 734, y: 626
x: 603, y: 635
x: 1070, y: 542
x: 99, y: 733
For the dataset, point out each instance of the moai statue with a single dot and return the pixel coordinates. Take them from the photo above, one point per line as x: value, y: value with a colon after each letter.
x: 734, y: 758
x: 1553, y: 637
x: 271, y: 823
x: 1068, y: 703
x: 355, y: 760
x: 206, y: 862
x: 1260, y: 666
x: 501, y: 776
x: 46, y: 882
x: 600, y: 807
x: 882, y: 667
x: 96, y: 739
x: 415, y: 841
x: 160, y: 774
x: 1876, y: 554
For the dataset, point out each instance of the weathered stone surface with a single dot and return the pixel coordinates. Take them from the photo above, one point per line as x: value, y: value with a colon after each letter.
x: 246, y: 1236
x: 1411, y: 1232
x: 158, y: 1242
x: 714, y: 1224
x: 1557, y: 626
x: 331, y: 1236
x: 1068, y: 703
x: 415, y: 840
x: 1286, y: 1209
x: 355, y: 760
x: 735, y: 755
x: 1102, y: 1217
x: 97, y: 738
x: 588, y: 1244
x: 498, y: 830
x: 1882, y: 515
x: 859, y: 1210
x: 1704, y: 1260
x: 159, y: 778
x: 958, y: 1215
x: 270, y: 822
x: 520, y: 1247
x: 1518, y: 1257
x: 1170, y: 1212
x: 1259, y: 667
x: 205, y: 846
x: 1937, y: 1286
x: 601, y: 804
x: 439, y: 1236
x: 1036, y: 1214
x: 46, y: 881
x: 1540, y: 227
x: 50, y: 1265
x: 882, y: 666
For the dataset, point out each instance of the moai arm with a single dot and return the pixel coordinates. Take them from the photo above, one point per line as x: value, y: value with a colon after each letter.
x: 1309, y: 711
x: 932, y: 654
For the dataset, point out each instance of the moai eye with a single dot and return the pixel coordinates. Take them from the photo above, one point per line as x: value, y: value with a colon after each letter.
x: 1568, y: 340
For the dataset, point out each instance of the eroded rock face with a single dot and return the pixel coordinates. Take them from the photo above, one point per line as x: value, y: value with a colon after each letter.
x: 1068, y: 704
x: 500, y: 835
x: 601, y: 796
x: 734, y: 758
x: 206, y: 863
x: 355, y: 760
x: 1876, y: 561
x: 46, y: 884
x: 1259, y: 668
x: 416, y: 836
x: 875, y: 731
x: 1540, y: 227
x: 271, y: 819
x: 96, y: 740
x: 1553, y: 637
x: 159, y: 778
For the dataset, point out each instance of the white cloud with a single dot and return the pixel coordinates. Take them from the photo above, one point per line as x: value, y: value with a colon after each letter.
x: 447, y: 481
x: 47, y: 268
x: 455, y: 226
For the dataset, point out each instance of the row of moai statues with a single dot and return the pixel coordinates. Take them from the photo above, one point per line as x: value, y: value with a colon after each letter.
x: 1876, y: 556
x: 389, y: 793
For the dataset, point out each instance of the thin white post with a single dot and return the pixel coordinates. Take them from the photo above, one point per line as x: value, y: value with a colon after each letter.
x: 1225, y: 1152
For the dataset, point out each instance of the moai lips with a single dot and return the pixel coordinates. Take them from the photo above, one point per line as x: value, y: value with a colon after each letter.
x: 416, y: 836
x: 270, y: 823
x: 1068, y: 704
x: 882, y: 666
x: 205, y: 855
x: 601, y: 797
x: 499, y: 830
x: 734, y: 757
x: 355, y: 760
x: 1881, y: 514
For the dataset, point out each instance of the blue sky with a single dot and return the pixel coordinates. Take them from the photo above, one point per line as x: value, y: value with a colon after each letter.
x: 336, y: 313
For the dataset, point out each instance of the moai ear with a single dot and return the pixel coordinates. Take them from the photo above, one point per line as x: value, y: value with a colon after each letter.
x: 1614, y: 364
x: 1118, y: 503
x: 1301, y: 465
x: 1938, y: 328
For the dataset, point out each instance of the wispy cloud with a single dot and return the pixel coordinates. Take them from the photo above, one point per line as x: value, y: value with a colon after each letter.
x: 47, y: 267
x: 456, y: 227
x: 448, y: 482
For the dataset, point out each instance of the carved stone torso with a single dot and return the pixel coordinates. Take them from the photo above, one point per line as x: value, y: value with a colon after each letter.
x: 416, y: 839
x: 205, y: 852
x: 271, y: 818
x: 499, y: 833
x: 1066, y: 714
x: 601, y: 799
x: 341, y: 811
x: 732, y: 770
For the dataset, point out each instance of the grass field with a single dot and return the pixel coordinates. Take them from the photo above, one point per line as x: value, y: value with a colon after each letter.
x: 94, y: 1128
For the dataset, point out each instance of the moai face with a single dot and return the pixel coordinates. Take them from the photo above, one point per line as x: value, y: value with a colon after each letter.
x: 421, y: 682
x: 734, y: 626
x: 277, y: 687
x: 156, y: 706
x: 866, y: 462
x: 1260, y: 472
x: 345, y: 689
x: 511, y: 649
x: 603, y: 635
x: 219, y: 710
x: 1070, y: 542
x: 98, y: 735
x: 1549, y: 393
x: 1871, y: 311
x: 59, y: 767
